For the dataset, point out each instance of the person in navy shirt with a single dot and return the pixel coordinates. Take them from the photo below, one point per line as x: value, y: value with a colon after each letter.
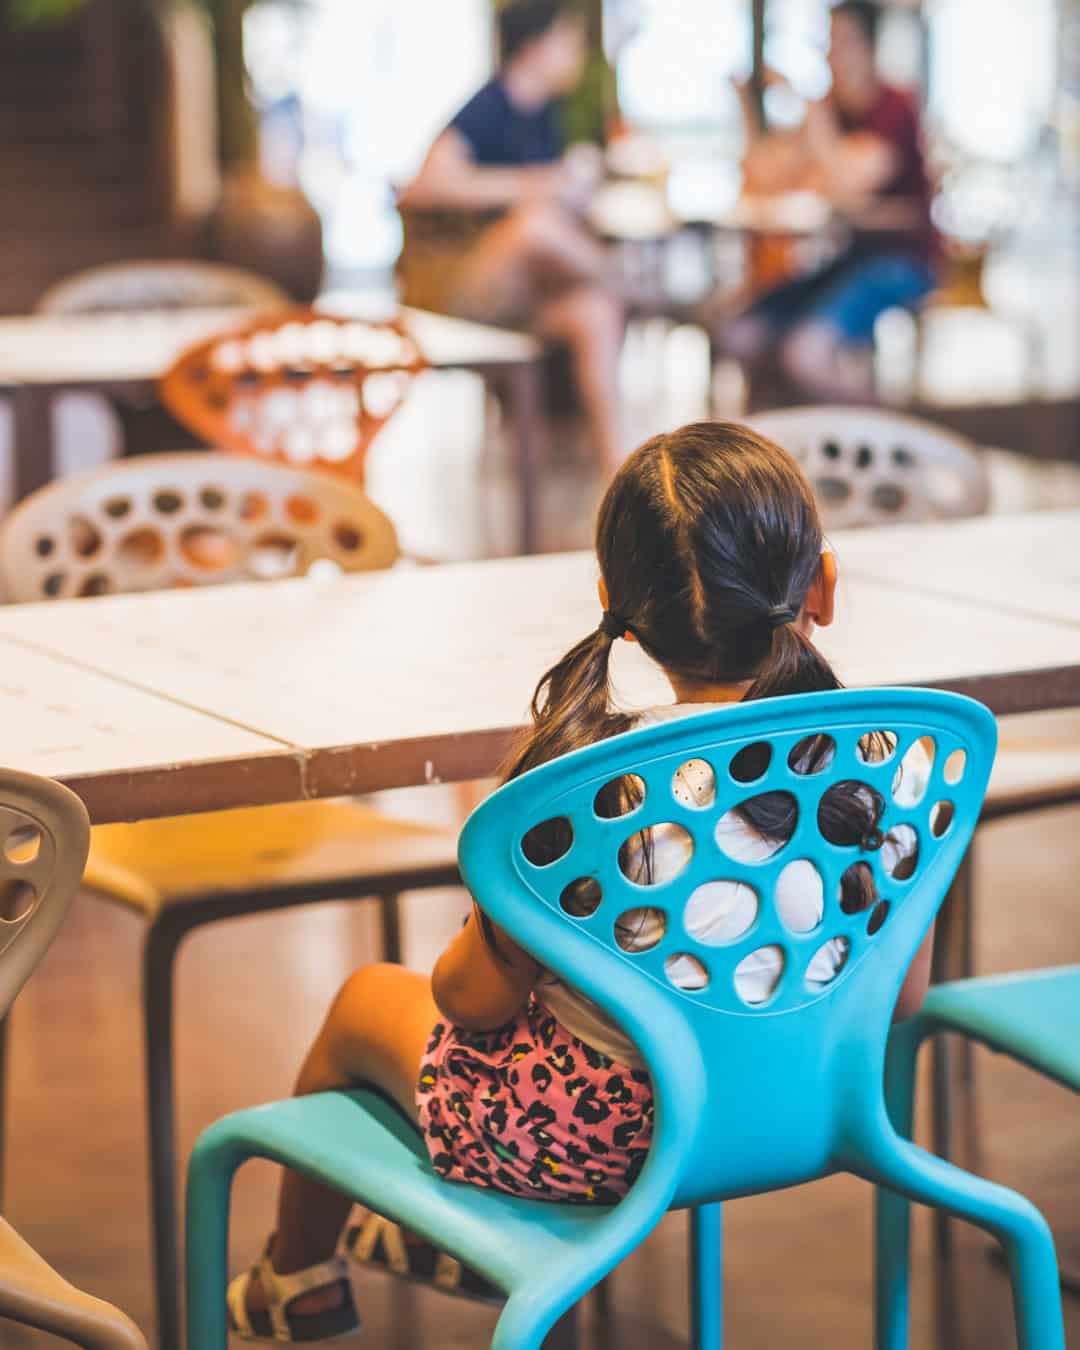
x: 530, y: 262
x: 861, y: 147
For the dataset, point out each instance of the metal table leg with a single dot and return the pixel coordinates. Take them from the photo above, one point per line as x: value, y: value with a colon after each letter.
x: 525, y: 382
x: 564, y: 1334
x: 33, y: 439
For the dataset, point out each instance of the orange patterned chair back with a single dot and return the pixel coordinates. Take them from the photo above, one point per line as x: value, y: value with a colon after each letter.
x: 297, y: 387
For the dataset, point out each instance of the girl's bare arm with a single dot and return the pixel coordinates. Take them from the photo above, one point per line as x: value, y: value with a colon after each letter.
x: 916, y: 981
x: 449, y: 178
x: 480, y: 984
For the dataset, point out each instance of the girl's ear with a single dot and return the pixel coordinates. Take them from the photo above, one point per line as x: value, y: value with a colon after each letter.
x: 821, y: 597
x: 602, y: 592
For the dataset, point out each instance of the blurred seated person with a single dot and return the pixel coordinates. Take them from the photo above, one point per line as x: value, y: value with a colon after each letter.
x: 861, y: 148
x: 493, y: 219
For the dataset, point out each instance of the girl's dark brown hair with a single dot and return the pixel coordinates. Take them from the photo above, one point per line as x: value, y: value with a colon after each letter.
x: 704, y: 537
x: 865, y: 13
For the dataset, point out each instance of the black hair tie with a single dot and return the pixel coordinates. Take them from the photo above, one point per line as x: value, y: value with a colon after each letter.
x: 613, y: 625
x: 781, y: 615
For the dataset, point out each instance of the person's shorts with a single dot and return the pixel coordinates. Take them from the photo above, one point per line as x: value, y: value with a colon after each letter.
x: 530, y: 1110
x: 849, y: 294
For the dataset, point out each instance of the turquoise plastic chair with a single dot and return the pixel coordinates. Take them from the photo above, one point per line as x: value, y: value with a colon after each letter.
x: 1034, y: 1016
x: 748, y: 1099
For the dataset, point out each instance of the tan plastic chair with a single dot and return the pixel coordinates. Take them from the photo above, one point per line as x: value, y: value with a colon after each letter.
x: 166, y: 283
x: 44, y: 835
x: 872, y: 467
x: 193, y: 519
x: 190, y: 519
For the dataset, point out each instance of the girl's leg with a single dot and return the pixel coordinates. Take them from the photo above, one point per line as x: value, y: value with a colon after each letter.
x: 375, y: 1033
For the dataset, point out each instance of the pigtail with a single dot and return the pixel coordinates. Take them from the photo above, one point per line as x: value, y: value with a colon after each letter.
x: 793, y: 666
x: 571, y: 707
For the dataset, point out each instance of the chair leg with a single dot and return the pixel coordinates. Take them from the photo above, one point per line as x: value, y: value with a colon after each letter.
x: 706, y: 1277
x: 892, y: 1212
x: 603, y: 1301
x: 159, y: 957
x: 4, y: 1023
x: 954, y: 959
x: 5, y: 1026
x: 1014, y: 1221
x: 213, y: 1162
x: 390, y: 918
x: 523, y: 1325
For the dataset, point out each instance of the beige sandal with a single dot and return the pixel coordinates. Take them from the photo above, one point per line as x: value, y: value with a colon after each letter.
x: 379, y: 1244
x: 276, y: 1322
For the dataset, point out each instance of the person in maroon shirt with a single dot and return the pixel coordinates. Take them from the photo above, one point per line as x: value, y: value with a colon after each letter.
x: 861, y: 147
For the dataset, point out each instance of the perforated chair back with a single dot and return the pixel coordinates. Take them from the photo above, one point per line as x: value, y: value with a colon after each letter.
x: 44, y: 839
x: 192, y: 519
x: 872, y: 467
x: 159, y: 284
x: 295, y: 386
x: 749, y: 1097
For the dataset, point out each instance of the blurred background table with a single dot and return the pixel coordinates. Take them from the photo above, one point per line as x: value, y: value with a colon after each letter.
x: 42, y: 356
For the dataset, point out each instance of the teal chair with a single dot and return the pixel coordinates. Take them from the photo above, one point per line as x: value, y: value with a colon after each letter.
x: 749, y: 1099
x: 1034, y: 1016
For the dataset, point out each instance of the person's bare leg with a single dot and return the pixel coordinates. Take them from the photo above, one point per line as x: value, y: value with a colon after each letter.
x: 815, y: 356
x: 533, y: 252
x: 591, y: 321
x: 540, y: 262
x: 375, y: 1033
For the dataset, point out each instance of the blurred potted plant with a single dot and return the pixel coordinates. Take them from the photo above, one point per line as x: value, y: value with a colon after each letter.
x: 261, y: 222
x: 265, y: 225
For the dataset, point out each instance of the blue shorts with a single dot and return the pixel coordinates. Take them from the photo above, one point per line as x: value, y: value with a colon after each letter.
x: 849, y: 293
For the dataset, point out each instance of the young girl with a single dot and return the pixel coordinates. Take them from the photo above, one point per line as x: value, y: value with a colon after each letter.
x: 711, y: 557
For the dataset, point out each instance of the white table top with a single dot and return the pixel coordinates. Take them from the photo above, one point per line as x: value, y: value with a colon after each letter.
x: 111, y: 349
x: 637, y: 210
x: 86, y: 728
x: 380, y: 680
x: 1024, y: 564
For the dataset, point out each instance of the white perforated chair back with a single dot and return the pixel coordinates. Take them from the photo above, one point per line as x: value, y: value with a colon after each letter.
x: 159, y: 284
x: 872, y: 467
x: 44, y: 839
x: 193, y: 519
